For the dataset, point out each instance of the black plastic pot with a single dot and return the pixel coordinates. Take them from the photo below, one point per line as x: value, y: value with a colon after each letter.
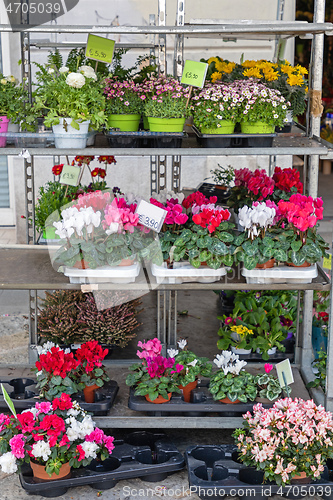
x: 234, y: 140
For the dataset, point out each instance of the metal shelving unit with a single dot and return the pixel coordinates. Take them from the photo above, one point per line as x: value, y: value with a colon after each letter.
x: 28, y: 257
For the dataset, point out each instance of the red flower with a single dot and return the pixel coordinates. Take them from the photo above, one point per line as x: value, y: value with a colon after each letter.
x: 26, y: 420
x: 84, y: 160
x: 287, y: 178
x: 107, y: 159
x: 81, y: 453
x: 54, y: 426
x: 198, y: 198
x: 57, y: 169
x: 97, y: 200
x: 210, y: 219
x: 102, y: 173
x: 57, y: 362
x: 94, y: 172
x: 63, y: 403
x: 91, y: 355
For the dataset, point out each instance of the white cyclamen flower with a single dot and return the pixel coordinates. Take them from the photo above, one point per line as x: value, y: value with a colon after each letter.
x: 8, y: 463
x: 41, y: 449
x: 172, y: 352
x: 182, y: 343
x: 45, y: 348
x: 192, y: 363
x: 63, y: 69
x: 113, y: 228
x: 76, y: 80
x: 88, y: 72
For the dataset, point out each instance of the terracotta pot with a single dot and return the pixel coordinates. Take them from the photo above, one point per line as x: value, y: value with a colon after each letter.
x: 159, y: 399
x: 266, y: 265
x: 81, y: 264
x: 89, y: 393
x: 126, y: 262
x: 228, y: 401
x: 306, y: 264
x: 301, y: 478
x: 40, y: 473
x: 187, y: 389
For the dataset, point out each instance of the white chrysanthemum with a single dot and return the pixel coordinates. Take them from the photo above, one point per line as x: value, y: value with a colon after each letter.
x: 88, y: 72
x: 8, y: 463
x: 41, y: 449
x: 50, y: 71
x: 172, y: 352
x: 89, y: 449
x: 11, y: 79
x: 3, y: 81
x: 63, y: 69
x: 76, y: 80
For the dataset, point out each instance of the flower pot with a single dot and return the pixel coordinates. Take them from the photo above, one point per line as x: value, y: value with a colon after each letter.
x: 70, y: 138
x: 228, y: 401
x: 263, y: 401
x: 125, y: 123
x: 49, y: 233
x: 145, y: 123
x: 266, y: 265
x: 227, y: 127
x: 4, y: 122
x: 301, y: 478
x: 166, y: 124
x: 187, y: 389
x: 89, y: 393
x: 159, y: 400
x: 40, y: 474
x: 257, y: 128
x: 270, y: 352
x: 81, y: 264
x: 236, y: 350
x: 127, y: 262
x: 305, y: 264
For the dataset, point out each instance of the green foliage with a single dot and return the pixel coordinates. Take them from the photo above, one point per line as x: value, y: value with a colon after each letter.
x: 190, y: 373
x: 268, y: 387
x: 240, y: 387
x: 52, y: 198
x: 320, y: 364
x: 152, y: 387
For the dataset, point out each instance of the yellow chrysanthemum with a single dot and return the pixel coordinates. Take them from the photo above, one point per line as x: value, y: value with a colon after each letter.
x: 286, y: 68
x: 270, y: 75
x: 301, y: 70
x: 249, y: 64
x: 294, y: 80
x: 216, y: 76
x: 255, y: 72
x: 211, y: 59
x: 225, y: 67
x: 264, y: 64
x: 306, y: 89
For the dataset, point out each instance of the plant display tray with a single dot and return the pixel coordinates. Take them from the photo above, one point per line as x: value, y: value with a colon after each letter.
x: 183, y: 272
x: 213, y: 190
x: 214, y: 472
x: 202, y: 403
x: 234, y: 140
x: 145, y: 455
x: 145, y: 139
x: 103, y: 274
x: 281, y: 274
x: 24, y: 395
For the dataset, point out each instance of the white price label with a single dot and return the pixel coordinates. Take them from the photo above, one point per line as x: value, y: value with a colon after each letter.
x: 284, y: 373
x: 150, y: 215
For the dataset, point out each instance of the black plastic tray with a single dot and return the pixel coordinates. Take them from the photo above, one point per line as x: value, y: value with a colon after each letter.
x: 234, y: 140
x: 213, y: 472
x: 24, y: 396
x: 146, y: 455
x: 145, y: 139
x: 202, y: 403
x: 211, y: 190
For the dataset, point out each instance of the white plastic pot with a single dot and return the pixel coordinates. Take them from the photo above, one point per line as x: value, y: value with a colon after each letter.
x: 270, y: 352
x: 240, y: 351
x: 70, y: 138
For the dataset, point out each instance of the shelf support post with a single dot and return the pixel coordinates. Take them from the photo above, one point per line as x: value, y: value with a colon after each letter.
x: 30, y: 199
x: 162, y: 69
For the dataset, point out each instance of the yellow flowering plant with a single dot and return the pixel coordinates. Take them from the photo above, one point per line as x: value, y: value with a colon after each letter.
x: 234, y: 333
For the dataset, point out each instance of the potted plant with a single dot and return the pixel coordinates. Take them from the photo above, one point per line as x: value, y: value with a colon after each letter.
x: 231, y: 383
x: 73, y: 101
x: 90, y: 374
x: 166, y: 104
x: 12, y: 98
x: 268, y: 386
x: 273, y: 440
x: 286, y: 183
x: 194, y: 366
x: 124, y: 104
x: 223, y: 177
x: 216, y: 108
x: 319, y: 368
x: 155, y: 376
x: 320, y: 321
x: 235, y: 335
x: 52, y: 437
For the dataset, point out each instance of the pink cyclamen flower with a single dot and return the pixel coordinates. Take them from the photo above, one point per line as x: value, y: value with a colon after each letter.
x: 268, y: 368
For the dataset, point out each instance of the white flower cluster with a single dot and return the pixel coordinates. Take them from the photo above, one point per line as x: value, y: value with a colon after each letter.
x: 88, y: 72
x: 256, y: 217
x: 63, y: 69
x: 8, y: 463
x: 41, y: 449
x: 76, y: 80
x: 9, y: 79
x: 47, y: 346
x: 79, y: 430
x: 164, y: 196
x: 74, y: 220
x: 182, y: 343
x: 172, y: 352
x: 89, y: 449
x: 229, y: 363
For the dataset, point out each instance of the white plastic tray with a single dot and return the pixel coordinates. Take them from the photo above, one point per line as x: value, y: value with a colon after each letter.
x: 281, y: 274
x: 103, y: 274
x: 183, y: 272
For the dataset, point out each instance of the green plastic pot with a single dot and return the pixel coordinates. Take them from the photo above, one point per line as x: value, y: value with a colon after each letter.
x: 166, y: 124
x: 145, y: 122
x: 49, y: 233
x: 227, y: 127
x: 257, y: 128
x: 125, y: 123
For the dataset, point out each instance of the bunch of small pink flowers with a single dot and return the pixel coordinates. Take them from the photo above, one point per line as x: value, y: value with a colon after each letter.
x: 293, y: 436
x: 122, y: 98
x: 164, y: 98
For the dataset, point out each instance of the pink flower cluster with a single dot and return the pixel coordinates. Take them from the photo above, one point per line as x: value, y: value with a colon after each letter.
x: 198, y: 198
x: 174, y: 210
x: 115, y: 89
x: 150, y: 349
x: 286, y: 438
x: 119, y: 217
x: 97, y: 200
x: 302, y: 211
x: 157, y: 365
x: 156, y: 88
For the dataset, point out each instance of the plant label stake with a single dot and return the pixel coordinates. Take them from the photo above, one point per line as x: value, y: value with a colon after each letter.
x: 99, y: 49
x: 285, y: 375
x: 327, y: 262
x: 8, y: 400
x: 150, y: 215
x: 194, y: 75
x: 70, y: 175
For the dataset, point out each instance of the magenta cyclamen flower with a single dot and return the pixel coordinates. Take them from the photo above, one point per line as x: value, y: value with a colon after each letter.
x: 158, y: 365
x: 151, y: 348
x: 268, y: 367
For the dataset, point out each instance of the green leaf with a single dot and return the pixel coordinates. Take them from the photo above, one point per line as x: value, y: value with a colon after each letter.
x: 218, y: 247
x: 250, y: 248
x: 226, y: 237
x: 195, y: 263
x: 193, y: 253
x: 296, y: 245
x: 250, y: 262
x: 280, y: 255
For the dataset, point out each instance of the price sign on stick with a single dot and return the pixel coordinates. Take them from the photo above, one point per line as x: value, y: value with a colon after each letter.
x: 285, y: 375
x: 99, y: 49
x: 70, y: 175
x: 194, y: 73
x: 150, y: 215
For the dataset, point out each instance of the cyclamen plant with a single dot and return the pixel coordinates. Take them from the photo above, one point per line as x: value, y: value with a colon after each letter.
x: 249, y: 187
x: 293, y: 436
x: 193, y: 364
x: 52, y: 434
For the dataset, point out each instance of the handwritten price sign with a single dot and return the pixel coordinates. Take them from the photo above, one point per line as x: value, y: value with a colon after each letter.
x: 99, y: 48
x: 150, y: 215
x: 70, y: 175
x: 194, y: 73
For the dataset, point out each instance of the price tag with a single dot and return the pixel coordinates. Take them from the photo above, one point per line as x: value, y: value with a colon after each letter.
x: 284, y: 368
x: 194, y: 73
x: 8, y: 400
x: 327, y: 262
x: 150, y: 215
x: 70, y: 175
x: 99, y: 49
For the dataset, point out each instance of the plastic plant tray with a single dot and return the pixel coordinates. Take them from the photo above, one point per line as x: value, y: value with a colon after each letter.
x: 211, y: 190
x: 234, y: 140
x: 25, y: 395
x: 213, y: 472
x: 281, y: 274
x: 104, y: 274
x: 202, y: 403
x: 183, y: 272
x: 145, y: 455
x: 145, y: 138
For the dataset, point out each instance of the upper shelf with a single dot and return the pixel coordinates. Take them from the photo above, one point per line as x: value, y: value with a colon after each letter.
x: 245, y: 28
